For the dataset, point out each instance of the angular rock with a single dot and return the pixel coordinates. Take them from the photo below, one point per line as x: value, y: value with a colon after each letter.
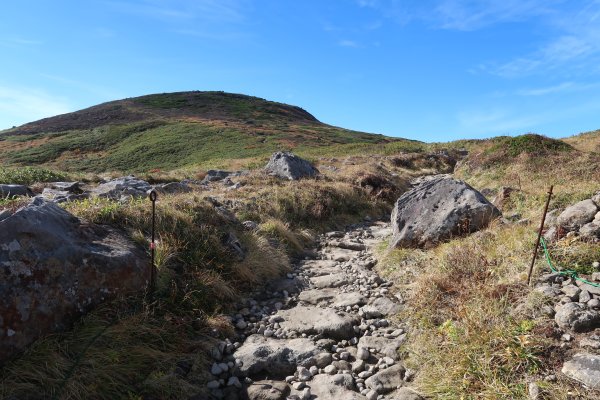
x: 267, y: 390
x: 128, y: 186
x: 590, y: 230
x: 584, y: 368
x: 55, y: 268
x: 577, y: 215
x: 383, y: 346
x: 334, y: 387
x: 61, y: 196
x: 384, y: 306
x: 215, y: 175
x: 173, y: 188
x: 14, y: 190
x: 71, y: 187
x: 386, y: 380
x: 289, y: 166
x: 437, y: 210
x: 575, y: 316
x: 278, y: 358
x: 314, y: 320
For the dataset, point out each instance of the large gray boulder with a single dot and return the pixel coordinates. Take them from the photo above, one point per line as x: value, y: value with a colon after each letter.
x: 127, y: 186
x: 14, y: 190
x: 54, y: 268
x: 289, y: 166
x: 577, y: 215
x: 438, y: 209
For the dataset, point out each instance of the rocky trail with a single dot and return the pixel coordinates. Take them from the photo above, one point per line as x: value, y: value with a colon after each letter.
x: 326, y: 331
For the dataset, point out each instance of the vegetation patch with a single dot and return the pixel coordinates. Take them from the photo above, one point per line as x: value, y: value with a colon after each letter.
x: 29, y: 175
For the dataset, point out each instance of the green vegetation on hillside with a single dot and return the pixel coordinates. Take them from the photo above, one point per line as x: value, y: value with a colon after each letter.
x: 176, y: 130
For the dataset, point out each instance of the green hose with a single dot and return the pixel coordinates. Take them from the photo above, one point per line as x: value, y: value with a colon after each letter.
x: 567, y: 272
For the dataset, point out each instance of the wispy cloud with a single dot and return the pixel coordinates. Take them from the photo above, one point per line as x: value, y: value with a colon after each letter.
x: 496, y: 121
x: 469, y: 15
x: 181, y: 10
x: 15, y: 41
x: 575, y: 44
x: 348, y: 43
x: 463, y: 15
x: 556, y: 89
x: 20, y: 105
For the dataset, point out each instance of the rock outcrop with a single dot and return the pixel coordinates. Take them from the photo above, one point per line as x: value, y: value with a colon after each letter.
x: 14, y: 191
x: 289, y: 166
x: 55, y: 267
x: 438, y: 209
x: 127, y: 186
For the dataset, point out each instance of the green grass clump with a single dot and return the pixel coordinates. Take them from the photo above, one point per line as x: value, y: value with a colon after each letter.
x: 29, y: 175
x: 530, y: 143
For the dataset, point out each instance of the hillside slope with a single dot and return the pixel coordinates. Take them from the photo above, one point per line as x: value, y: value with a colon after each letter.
x: 170, y: 131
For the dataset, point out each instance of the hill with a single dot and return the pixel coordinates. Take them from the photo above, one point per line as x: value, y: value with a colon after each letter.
x: 172, y: 130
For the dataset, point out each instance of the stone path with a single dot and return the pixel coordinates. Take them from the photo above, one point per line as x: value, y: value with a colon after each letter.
x: 326, y: 331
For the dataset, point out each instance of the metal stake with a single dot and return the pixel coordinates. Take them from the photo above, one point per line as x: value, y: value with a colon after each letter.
x: 153, y: 197
x: 537, y: 243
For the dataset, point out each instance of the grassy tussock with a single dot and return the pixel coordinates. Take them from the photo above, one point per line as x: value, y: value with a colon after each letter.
x: 306, y: 203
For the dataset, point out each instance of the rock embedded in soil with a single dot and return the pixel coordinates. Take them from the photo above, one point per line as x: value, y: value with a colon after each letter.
x: 386, y: 380
x: 585, y: 368
x: 577, y: 215
x: 322, y: 321
x: 267, y: 390
x: 275, y: 357
x: 334, y: 387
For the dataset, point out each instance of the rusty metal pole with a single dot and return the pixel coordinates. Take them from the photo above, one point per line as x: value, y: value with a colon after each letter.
x: 153, y: 197
x: 537, y: 243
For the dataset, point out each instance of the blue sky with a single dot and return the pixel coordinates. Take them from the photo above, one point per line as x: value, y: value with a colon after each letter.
x: 432, y: 70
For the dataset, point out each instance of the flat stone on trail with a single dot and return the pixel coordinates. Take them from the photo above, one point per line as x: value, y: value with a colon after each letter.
x: 404, y: 393
x: 334, y: 387
x: 382, y: 306
x: 278, y: 358
x: 314, y: 320
x: 349, y: 299
x: 386, y: 380
x: 584, y: 368
x: 330, y: 281
x: 383, y: 346
x: 267, y: 390
x: 316, y: 296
